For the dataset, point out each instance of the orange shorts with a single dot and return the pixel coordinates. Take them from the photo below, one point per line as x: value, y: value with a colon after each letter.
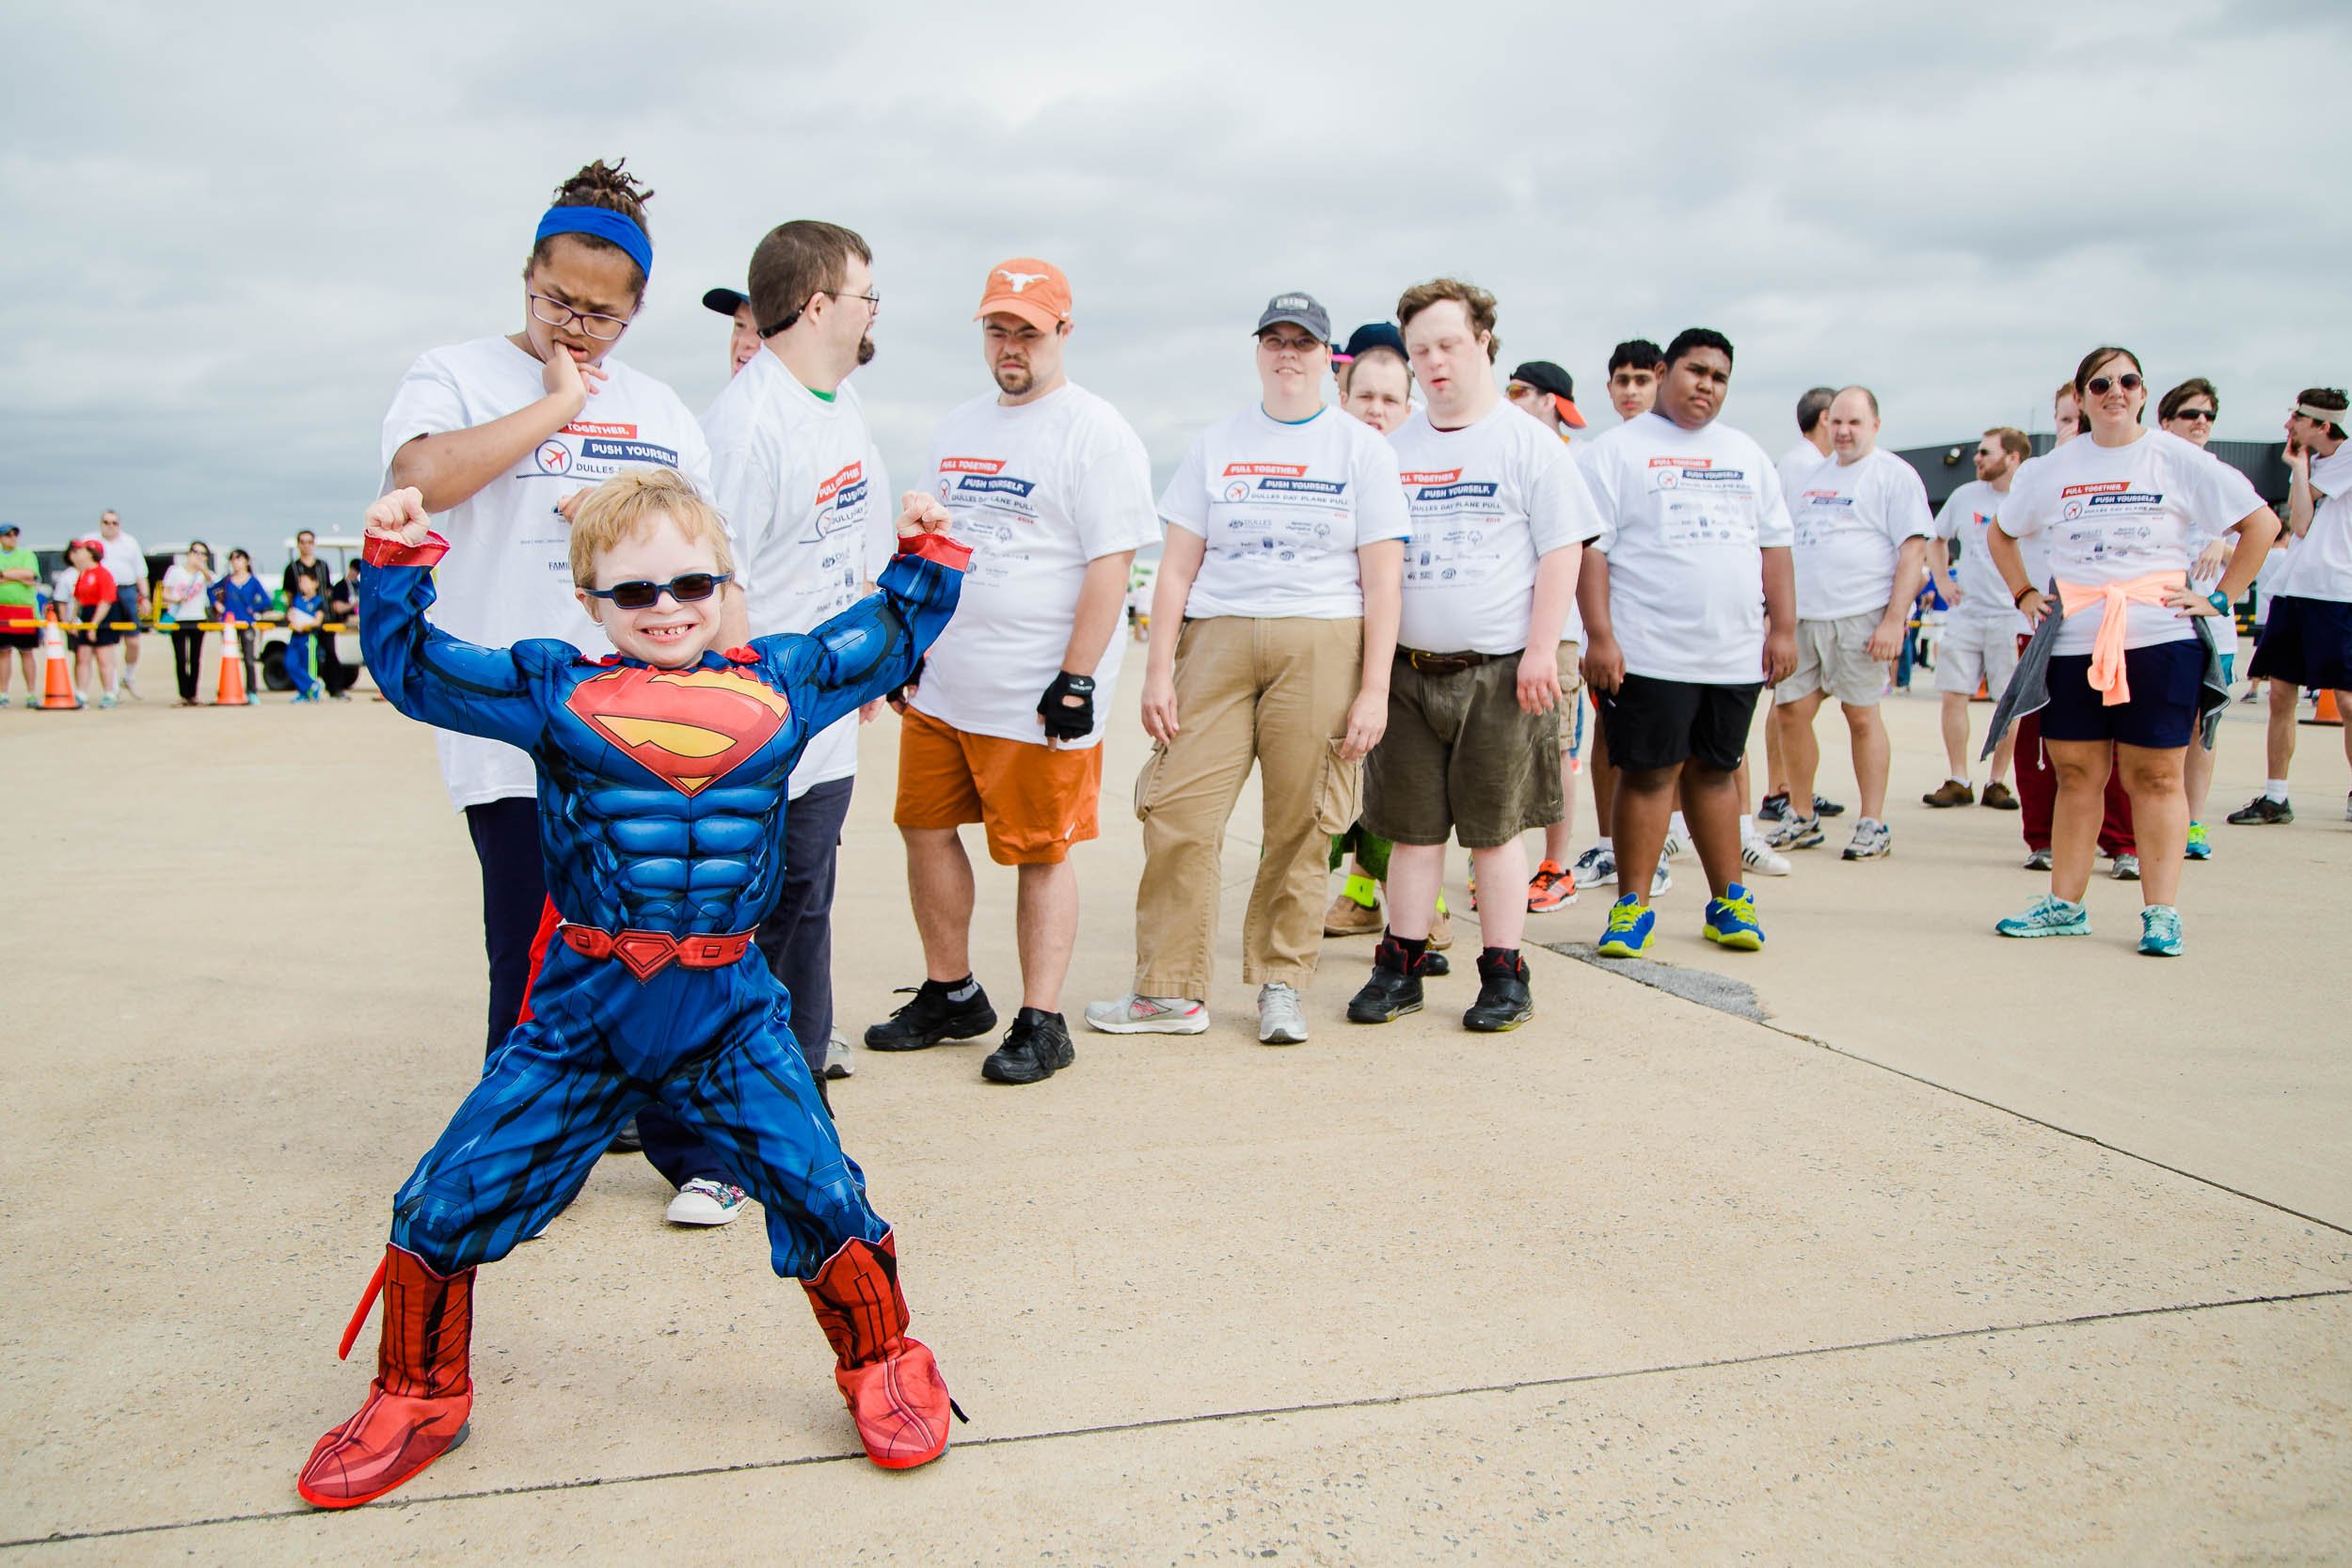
x: 1034, y: 801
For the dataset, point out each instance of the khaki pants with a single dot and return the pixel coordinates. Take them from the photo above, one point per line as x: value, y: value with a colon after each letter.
x: 1271, y: 691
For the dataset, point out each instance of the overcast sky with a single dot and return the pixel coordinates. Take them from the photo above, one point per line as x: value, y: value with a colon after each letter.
x: 233, y: 226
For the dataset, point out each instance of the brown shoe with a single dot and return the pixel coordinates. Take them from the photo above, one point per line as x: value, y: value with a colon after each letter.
x: 1951, y: 792
x: 2000, y: 796
x: 1347, y: 918
x: 1441, y: 932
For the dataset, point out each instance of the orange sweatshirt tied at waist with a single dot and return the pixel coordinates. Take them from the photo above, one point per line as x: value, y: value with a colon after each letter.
x: 2107, y: 677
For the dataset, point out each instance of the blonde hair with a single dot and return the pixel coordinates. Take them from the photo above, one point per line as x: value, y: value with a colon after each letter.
x: 627, y: 504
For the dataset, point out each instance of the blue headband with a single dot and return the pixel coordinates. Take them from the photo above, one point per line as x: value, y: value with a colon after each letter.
x: 604, y: 224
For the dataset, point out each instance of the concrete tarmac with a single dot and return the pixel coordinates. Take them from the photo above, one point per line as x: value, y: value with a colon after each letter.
x: 1971, y: 1252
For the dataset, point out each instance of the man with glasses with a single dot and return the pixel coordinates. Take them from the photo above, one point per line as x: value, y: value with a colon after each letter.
x: 1980, y: 642
x: 127, y: 565
x: 791, y: 470
x: 2308, y: 638
x: 1052, y: 491
x: 333, y: 678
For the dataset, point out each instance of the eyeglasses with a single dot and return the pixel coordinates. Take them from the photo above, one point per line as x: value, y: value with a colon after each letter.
x: 872, y: 297
x: 602, y: 328
x: 686, y: 588
x: 2100, y: 384
x: 1281, y: 343
x: 2208, y: 415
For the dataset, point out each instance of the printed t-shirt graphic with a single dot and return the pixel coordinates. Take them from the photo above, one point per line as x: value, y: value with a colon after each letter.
x: 2225, y: 637
x: 1686, y: 516
x: 1850, y: 521
x: 1283, y: 509
x: 1486, y: 501
x: 796, y: 478
x: 508, y: 575
x: 2323, y: 564
x: 1038, y: 491
x: 1967, y: 513
x: 2117, y: 513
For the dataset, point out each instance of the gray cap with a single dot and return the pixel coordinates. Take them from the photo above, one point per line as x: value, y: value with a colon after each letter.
x: 1300, y: 309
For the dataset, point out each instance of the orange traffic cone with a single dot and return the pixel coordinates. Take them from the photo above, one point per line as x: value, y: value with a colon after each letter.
x: 232, y: 690
x: 57, y: 683
x: 2325, y: 711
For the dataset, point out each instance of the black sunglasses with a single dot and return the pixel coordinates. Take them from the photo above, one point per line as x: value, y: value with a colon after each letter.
x: 2207, y: 415
x: 2129, y: 381
x: 686, y: 588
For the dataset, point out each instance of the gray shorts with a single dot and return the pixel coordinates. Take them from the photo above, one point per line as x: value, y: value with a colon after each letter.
x: 1835, y: 657
x: 1974, y: 650
x: 1461, y: 760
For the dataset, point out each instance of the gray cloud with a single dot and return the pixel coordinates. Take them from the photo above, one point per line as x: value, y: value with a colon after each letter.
x: 233, y: 228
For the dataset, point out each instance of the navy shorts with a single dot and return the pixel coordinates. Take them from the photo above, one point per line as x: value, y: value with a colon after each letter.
x: 2162, y: 714
x: 1653, y: 723
x: 2306, y: 642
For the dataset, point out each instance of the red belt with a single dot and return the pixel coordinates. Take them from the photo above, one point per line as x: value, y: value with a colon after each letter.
x: 648, y: 953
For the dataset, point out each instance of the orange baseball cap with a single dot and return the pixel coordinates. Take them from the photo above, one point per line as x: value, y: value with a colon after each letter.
x: 1025, y: 287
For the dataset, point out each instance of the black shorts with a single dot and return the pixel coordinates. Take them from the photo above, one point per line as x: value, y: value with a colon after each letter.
x: 101, y: 635
x: 2162, y: 714
x: 2306, y: 642
x: 1654, y: 723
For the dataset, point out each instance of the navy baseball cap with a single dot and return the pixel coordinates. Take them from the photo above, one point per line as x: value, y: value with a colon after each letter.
x: 1300, y: 309
x: 1551, y: 380
x: 1373, y: 334
x: 725, y: 301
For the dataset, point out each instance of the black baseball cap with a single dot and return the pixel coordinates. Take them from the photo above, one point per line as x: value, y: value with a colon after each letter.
x: 1300, y: 309
x: 1373, y: 334
x: 725, y: 301
x: 1551, y: 380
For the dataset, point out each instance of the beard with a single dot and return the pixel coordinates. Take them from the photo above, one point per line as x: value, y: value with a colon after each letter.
x: 866, y: 351
x: 1014, y: 379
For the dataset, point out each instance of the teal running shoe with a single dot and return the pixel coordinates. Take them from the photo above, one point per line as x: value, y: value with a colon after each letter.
x: 2199, y: 846
x: 1630, y: 926
x: 2047, y: 916
x: 1731, y: 920
x: 2160, y: 931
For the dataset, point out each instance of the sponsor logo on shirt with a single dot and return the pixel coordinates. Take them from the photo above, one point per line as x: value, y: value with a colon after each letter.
x: 1289, y: 471
x: 592, y: 427
x: 1445, y: 484
x: 603, y: 442
x: 595, y: 450
x: 2103, y: 487
x: 971, y: 464
x: 1824, y: 498
x: 841, y: 501
x: 2130, y: 498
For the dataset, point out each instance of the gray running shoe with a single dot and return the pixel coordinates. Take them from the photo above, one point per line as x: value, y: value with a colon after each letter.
x: 837, y: 1063
x: 1873, y: 840
x: 2128, y: 868
x: 1281, y: 1019
x: 2038, y: 861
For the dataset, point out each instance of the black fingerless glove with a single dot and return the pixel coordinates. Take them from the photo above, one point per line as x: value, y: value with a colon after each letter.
x: 1068, y: 720
x: 897, y: 699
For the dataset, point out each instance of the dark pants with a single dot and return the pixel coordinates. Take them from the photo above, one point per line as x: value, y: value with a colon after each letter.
x: 2037, y: 796
x: 796, y: 939
x: 187, y: 651
x: 514, y: 890
x: 334, y: 675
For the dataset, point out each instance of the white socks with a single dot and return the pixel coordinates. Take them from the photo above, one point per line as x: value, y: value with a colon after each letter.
x: 2275, y: 789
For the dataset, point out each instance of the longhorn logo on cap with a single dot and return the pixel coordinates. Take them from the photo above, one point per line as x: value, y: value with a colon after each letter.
x: 1021, y: 280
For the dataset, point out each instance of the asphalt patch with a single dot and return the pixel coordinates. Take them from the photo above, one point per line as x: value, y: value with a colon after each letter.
x: 1704, y: 986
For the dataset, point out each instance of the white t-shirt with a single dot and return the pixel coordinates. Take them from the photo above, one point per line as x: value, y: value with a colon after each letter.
x: 124, y: 559
x: 1686, y: 515
x: 1851, y: 519
x: 795, y: 477
x: 2322, y: 557
x: 1983, y: 591
x: 1283, y: 509
x: 1797, y: 462
x: 2117, y: 513
x: 186, y: 595
x: 1488, y: 501
x: 2248, y: 499
x: 1037, y: 491
x: 508, y: 575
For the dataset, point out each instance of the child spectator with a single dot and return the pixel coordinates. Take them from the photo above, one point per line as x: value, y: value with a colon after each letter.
x: 306, y: 611
x: 241, y: 595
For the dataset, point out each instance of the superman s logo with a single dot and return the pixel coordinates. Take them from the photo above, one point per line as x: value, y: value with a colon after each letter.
x: 690, y: 728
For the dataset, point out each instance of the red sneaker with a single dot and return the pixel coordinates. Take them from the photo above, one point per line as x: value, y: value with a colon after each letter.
x: 415, y: 1409
x: 890, y: 1382
x: 1552, y: 888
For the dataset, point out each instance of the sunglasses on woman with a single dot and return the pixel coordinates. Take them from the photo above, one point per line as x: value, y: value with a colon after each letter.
x: 2099, y: 385
x: 2204, y: 414
x: 686, y: 588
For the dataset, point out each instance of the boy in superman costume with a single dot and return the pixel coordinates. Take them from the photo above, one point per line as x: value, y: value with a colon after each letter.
x: 663, y: 776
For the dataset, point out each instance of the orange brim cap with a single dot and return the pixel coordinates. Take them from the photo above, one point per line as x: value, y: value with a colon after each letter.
x: 1569, y: 413
x: 1025, y: 287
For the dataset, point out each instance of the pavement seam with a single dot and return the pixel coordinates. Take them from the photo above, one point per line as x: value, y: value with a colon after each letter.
x: 1211, y: 1417
x: 1591, y: 960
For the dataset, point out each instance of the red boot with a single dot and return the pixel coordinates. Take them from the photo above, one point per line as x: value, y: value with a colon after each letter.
x: 893, y: 1386
x: 415, y: 1409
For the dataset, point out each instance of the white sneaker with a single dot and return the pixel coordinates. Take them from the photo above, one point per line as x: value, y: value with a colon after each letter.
x: 706, y: 1203
x: 1677, y: 845
x: 1663, y: 881
x: 131, y: 684
x: 837, y: 1063
x: 1132, y: 1014
x: 1281, y: 1019
x: 1594, y: 868
x: 1761, y: 857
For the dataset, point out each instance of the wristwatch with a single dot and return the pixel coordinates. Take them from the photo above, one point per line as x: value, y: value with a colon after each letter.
x: 2219, y: 601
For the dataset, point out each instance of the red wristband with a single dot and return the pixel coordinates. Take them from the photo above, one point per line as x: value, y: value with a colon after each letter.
x: 937, y: 549
x: 381, y: 551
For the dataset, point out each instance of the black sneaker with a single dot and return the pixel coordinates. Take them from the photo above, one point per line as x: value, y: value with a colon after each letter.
x: 1035, y: 1048
x: 2262, y: 811
x: 1504, y: 1001
x: 1392, y: 992
x: 1434, y: 966
x: 1824, y: 806
x: 938, y: 1012
x: 1775, y: 809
